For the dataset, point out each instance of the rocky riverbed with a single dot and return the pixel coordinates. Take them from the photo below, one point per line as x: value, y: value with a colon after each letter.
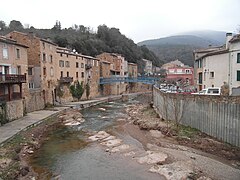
x: 138, y: 138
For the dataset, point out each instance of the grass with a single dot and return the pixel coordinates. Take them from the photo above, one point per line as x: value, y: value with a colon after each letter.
x: 187, y: 132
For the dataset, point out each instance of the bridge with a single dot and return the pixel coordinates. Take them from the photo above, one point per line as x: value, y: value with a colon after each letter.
x: 144, y: 80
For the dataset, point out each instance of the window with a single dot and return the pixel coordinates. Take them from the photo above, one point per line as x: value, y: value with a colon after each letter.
x: 211, y: 74
x: 200, y: 78
x: 76, y: 57
x: 76, y: 74
x: 61, y: 73
x: 50, y: 58
x: 49, y: 84
x: 67, y: 55
x: 61, y: 63
x: 238, y: 57
x: 187, y: 71
x: 61, y: 54
x: 43, y: 44
x: 44, y: 71
x: 5, y: 52
x: 82, y: 65
x: 18, y: 70
x: 44, y: 57
x: 31, y: 85
x: 238, y: 75
x: 18, y: 53
x: 76, y: 64
x: 67, y: 64
x: 30, y: 71
x: 82, y: 74
x: 200, y: 63
x: 67, y: 74
x: 51, y: 72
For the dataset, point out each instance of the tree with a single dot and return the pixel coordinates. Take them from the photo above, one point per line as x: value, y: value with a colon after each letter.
x: 57, y: 26
x: 2, y: 26
x: 15, y: 25
x: 77, y: 90
x: 87, y: 90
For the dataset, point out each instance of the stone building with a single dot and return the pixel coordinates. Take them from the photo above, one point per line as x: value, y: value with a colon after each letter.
x: 13, y: 78
x: 105, y: 73
x: 41, y: 69
x: 117, y: 69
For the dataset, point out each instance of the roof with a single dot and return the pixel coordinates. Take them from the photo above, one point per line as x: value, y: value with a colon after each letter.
x: 41, y: 39
x: 212, y: 53
x: 11, y: 41
x: 132, y: 64
x: 47, y: 41
x: 235, y: 38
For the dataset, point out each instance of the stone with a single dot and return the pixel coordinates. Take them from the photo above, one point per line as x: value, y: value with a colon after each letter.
x: 112, y: 143
x: 24, y: 171
x: 176, y: 170
x: 152, y: 157
x: 109, y: 138
x: 156, y: 133
x: 99, y: 136
x: 122, y: 147
x: 102, y: 109
x: 131, y: 153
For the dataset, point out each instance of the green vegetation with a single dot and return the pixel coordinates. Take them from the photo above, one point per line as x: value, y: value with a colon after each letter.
x: 77, y: 90
x: 87, y: 90
x: 84, y: 40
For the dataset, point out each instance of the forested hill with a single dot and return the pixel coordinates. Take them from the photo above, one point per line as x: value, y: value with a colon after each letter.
x: 182, y: 46
x: 84, y: 40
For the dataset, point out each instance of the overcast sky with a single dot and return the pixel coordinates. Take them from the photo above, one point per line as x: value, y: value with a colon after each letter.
x: 137, y: 19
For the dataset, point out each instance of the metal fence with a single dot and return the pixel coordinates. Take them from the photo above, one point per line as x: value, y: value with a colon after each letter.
x: 214, y: 115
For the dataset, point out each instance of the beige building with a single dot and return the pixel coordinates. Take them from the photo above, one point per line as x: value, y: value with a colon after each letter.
x: 219, y: 66
x: 41, y: 66
x: 13, y: 79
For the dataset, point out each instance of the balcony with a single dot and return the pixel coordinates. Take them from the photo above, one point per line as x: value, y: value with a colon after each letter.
x: 66, y: 79
x: 12, y: 78
x: 88, y: 66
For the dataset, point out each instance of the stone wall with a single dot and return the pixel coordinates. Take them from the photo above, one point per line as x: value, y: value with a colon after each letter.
x: 217, y: 116
x: 14, y: 109
x: 34, y: 101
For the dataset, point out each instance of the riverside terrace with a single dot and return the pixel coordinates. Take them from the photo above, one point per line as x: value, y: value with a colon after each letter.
x: 145, y: 80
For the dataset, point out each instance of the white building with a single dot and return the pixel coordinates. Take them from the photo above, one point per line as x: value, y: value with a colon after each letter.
x: 216, y: 66
x: 148, y: 68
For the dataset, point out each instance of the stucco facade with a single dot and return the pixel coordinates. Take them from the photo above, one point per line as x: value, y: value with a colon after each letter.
x: 219, y: 66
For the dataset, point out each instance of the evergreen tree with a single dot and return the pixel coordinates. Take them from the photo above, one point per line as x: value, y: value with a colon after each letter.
x: 77, y: 90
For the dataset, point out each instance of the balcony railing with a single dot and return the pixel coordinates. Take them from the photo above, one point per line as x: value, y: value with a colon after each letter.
x: 88, y: 66
x: 12, y: 78
x: 66, y: 79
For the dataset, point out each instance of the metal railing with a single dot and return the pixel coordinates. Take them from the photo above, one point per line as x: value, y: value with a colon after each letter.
x: 12, y: 78
x: 145, y: 80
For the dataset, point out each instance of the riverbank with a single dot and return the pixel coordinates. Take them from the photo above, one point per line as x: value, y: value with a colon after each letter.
x: 164, y: 148
x: 222, y: 161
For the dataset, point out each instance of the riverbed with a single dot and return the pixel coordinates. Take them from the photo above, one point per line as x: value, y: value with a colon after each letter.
x: 68, y: 154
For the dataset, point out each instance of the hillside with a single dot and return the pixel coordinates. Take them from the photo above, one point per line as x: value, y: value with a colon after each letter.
x: 84, y: 40
x: 181, y: 46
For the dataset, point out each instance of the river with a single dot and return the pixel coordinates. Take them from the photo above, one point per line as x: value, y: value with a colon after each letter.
x: 67, y: 154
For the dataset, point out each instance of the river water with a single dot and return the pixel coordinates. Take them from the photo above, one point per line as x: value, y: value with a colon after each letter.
x: 67, y: 154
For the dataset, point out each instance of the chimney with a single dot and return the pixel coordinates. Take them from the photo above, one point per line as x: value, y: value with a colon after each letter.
x: 229, y: 36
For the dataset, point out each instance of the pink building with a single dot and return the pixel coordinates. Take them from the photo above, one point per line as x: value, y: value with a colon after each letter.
x: 183, y: 75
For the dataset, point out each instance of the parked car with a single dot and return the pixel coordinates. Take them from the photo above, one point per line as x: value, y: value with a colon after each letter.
x: 210, y: 91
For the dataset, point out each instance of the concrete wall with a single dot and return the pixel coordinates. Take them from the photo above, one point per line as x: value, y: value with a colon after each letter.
x: 214, y: 115
x: 14, y: 109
